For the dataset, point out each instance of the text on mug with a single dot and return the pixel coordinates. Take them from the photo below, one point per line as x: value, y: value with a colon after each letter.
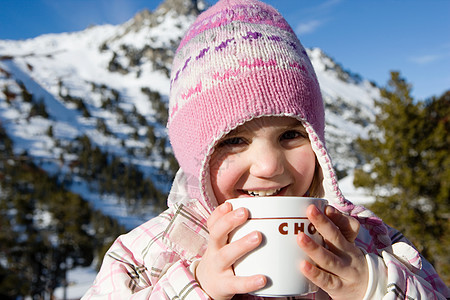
x: 297, y: 227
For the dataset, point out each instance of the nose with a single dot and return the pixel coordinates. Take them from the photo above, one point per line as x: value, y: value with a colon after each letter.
x: 267, y: 161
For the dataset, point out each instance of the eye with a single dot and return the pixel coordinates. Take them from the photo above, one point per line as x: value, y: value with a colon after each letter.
x: 291, y: 134
x: 232, y: 141
x: 231, y: 145
x: 293, y: 138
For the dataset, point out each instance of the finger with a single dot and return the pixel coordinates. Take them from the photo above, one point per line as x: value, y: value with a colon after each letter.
x: 245, y: 285
x: 329, y: 231
x: 324, y: 280
x: 324, y: 258
x: 218, y: 233
x: 219, y: 212
x: 230, y: 253
x: 348, y: 225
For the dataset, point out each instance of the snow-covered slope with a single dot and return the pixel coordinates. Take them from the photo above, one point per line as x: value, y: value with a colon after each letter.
x: 349, y: 105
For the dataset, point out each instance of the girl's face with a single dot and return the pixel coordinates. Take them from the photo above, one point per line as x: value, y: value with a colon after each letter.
x: 268, y: 156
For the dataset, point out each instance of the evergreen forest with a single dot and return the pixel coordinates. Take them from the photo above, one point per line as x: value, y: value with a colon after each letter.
x: 45, y: 229
x: 408, y: 169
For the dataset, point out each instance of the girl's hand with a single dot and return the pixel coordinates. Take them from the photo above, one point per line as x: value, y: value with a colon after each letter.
x: 341, y: 269
x: 214, y: 272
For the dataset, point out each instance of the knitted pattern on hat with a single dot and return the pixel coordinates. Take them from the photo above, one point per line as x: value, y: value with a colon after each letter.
x: 241, y: 60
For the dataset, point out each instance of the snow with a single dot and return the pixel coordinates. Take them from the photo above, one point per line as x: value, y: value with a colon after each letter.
x: 79, y: 281
x: 75, y: 59
x: 358, y: 196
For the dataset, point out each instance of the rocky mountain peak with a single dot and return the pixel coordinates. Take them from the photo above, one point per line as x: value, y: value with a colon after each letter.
x: 151, y: 36
x: 183, y: 11
x: 181, y: 7
x: 141, y: 17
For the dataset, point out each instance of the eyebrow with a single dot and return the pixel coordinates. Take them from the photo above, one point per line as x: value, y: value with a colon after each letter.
x: 298, y: 126
x: 294, y: 123
x: 235, y: 131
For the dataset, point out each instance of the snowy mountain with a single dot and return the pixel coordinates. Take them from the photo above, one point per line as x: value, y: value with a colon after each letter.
x: 89, y: 109
x: 110, y: 83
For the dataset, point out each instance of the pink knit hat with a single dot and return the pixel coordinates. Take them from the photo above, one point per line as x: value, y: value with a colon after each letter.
x: 241, y: 60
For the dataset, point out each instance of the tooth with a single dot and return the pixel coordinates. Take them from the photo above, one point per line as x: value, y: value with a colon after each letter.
x: 263, y: 193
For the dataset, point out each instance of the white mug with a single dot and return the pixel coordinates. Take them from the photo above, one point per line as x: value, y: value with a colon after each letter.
x: 278, y: 257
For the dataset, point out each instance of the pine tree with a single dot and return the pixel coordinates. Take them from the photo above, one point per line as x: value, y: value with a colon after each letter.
x: 408, y: 169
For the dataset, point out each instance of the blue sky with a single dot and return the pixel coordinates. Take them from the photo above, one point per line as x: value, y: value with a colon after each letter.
x: 370, y: 37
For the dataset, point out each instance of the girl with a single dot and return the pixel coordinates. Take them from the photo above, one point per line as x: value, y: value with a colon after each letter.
x: 246, y: 119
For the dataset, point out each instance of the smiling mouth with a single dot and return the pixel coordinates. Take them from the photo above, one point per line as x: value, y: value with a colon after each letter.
x: 262, y: 193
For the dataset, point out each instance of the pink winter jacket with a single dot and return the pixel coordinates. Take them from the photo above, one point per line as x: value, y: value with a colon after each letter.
x: 157, y: 260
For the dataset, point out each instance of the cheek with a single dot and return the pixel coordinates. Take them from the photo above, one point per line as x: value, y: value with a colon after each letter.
x: 224, y: 176
x: 304, y: 162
